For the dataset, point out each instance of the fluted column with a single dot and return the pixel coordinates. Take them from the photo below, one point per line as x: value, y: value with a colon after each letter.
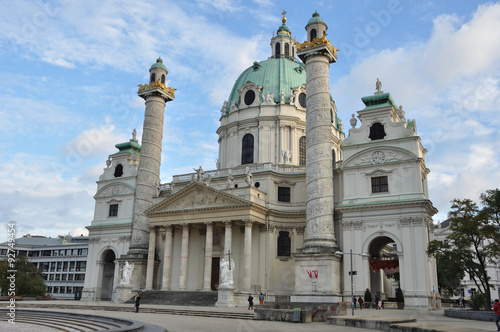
x: 207, y: 274
x: 151, y: 258
x: 228, y: 236
x: 184, y: 257
x: 247, y: 255
x: 116, y: 277
x: 167, y: 259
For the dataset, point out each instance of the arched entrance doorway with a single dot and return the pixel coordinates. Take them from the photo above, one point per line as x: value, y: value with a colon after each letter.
x: 384, y: 267
x: 108, y: 275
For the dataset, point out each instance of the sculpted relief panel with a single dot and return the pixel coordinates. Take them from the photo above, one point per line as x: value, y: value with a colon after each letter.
x: 199, y: 198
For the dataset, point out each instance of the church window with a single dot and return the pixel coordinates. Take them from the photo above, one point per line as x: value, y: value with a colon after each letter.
x: 283, y: 194
x: 153, y: 78
x: 277, y: 50
x: 163, y: 78
x: 302, y: 151
x: 118, y: 171
x: 113, y: 210
x: 380, y: 184
x: 331, y: 114
x: 302, y: 100
x: 249, y: 97
x: 287, y: 50
x: 293, y: 52
x: 284, y: 244
x: 314, y: 34
x: 377, y: 131
x: 334, y: 159
x: 247, y: 149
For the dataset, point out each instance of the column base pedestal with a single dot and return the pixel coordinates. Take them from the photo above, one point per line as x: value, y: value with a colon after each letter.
x: 225, y: 297
x: 122, y: 293
x: 328, y: 266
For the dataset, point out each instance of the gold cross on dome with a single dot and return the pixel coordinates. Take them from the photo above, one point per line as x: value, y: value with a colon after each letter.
x: 284, y: 12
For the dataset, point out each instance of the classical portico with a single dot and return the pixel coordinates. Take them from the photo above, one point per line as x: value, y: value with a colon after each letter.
x: 199, y: 249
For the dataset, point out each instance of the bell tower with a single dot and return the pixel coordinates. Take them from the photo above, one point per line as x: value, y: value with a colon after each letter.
x: 156, y: 95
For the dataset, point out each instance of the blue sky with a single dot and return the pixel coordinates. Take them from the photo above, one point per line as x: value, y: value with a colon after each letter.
x: 69, y: 73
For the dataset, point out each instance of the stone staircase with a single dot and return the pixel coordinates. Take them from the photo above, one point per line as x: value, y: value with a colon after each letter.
x: 194, y: 298
x: 72, y: 322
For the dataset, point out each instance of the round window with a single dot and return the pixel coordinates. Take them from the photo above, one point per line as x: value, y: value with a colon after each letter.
x: 249, y: 97
x: 302, y: 100
x: 256, y: 184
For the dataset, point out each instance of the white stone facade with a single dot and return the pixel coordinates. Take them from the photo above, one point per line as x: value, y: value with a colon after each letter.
x: 255, y: 208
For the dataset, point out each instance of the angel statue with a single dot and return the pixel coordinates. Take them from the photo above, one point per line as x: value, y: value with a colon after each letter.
x: 127, y: 273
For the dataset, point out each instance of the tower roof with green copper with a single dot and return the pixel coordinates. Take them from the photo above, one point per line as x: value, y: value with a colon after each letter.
x: 379, y: 100
x: 316, y: 19
x: 273, y: 75
x: 159, y: 64
x: 129, y: 147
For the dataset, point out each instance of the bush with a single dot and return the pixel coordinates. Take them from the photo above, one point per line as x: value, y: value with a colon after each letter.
x: 477, y: 301
x: 368, y: 296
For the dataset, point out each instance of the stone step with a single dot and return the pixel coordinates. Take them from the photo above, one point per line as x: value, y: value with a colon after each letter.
x: 73, y: 322
x: 192, y: 298
x: 168, y: 311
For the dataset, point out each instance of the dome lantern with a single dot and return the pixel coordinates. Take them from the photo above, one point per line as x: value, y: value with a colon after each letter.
x: 283, y: 45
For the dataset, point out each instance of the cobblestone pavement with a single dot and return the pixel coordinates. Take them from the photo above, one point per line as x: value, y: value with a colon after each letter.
x: 174, y: 323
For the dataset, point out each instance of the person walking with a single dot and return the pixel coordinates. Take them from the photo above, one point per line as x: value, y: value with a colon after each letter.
x: 354, y: 302
x: 250, y: 301
x: 377, y: 303
x: 496, y: 309
x: 360, y: 301
x: 261, y: 299
x: 137, y: 301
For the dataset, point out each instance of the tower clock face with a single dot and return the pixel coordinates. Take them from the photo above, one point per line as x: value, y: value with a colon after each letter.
x: 378, y: 157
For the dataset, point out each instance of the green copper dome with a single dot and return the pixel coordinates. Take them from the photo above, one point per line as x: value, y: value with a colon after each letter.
x: 283, y: 29
x: 316, y: 19
x: 159, y: 64
x: 273, y: 75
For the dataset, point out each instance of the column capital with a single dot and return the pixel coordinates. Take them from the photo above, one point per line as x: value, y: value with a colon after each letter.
x: 185, y: 226
x: 168, y: 228
x: 228, y: 223
x: 152, y: 228
x: 209, y: 224
x: 248, y: 222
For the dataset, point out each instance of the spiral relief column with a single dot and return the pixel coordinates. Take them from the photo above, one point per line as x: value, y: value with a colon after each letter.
x: 317, y: 54
x: 156, y: 95
x: 319, y: 243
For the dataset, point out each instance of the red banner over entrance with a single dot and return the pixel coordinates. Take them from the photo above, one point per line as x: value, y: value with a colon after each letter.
x: 388, y: 265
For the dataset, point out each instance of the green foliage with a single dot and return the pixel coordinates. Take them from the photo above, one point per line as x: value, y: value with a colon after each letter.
x: 368, y: 296
x: 478, y: 302
x: 473, y: 243
x: 399, y: 295
x: 28, y: 279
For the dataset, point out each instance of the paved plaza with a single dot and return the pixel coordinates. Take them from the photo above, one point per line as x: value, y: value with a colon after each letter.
x: 432, y: 320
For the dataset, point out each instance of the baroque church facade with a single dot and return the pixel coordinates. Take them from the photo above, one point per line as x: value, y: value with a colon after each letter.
x: 295, y: 201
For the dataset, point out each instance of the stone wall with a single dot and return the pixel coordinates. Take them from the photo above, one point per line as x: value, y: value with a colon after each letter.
x: 488, y: 316
x: 310, y: 312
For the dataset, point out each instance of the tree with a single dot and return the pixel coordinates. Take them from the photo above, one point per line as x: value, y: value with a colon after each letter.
x: 490, y: 214
x: 28, y: 279
x: 464, y: 249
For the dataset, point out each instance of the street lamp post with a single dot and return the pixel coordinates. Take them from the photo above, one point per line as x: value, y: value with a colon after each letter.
x: 352, y: 275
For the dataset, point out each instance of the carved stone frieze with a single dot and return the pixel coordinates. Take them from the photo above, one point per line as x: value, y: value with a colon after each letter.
x: 115, y: 190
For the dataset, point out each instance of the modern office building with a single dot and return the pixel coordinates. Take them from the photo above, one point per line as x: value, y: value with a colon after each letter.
x: 62, y: 261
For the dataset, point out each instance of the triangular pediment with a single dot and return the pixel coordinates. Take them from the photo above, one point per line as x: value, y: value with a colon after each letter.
x: 197, y: 196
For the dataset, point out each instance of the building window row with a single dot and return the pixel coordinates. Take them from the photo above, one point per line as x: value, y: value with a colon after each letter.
x: 49, y: 253
x: 80, y: 266
x: 64, y: 276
